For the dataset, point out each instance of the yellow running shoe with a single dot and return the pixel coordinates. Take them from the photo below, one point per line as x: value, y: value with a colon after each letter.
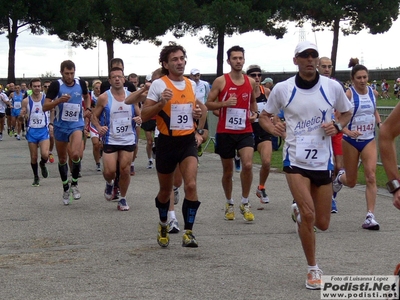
x: 245, y: 211
x: 163, y: 236
x: 188, y: 240
x: 229, y: 212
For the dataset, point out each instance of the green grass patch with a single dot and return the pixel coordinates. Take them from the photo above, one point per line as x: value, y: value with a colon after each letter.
x: 387, y: 102
x: 276, y: 162
x: 380, y: 174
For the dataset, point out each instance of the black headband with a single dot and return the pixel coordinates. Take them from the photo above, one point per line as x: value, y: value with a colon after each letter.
x: 253, y: 70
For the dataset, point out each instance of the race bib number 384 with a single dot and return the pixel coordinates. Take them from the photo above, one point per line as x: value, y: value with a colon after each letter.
x: 71, y: 112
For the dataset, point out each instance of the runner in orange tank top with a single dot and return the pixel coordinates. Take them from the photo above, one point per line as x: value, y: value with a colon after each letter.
x: 172, y: 99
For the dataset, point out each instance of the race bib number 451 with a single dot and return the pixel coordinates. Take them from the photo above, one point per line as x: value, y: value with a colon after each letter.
x: 235, y: 118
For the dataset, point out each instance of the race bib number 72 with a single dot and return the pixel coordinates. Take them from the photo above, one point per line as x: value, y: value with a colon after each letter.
x: 312, y: 149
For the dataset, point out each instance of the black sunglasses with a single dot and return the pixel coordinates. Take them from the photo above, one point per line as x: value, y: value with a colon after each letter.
x: 305, y: 54
x: 46, y: 86
x: 254, y: 75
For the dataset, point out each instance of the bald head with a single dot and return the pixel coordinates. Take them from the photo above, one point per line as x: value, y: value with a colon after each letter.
x: 325, y: 66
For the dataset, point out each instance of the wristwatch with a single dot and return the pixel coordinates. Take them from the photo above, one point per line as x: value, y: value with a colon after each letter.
x: 200, y: 131
x: 393, y: 185
x: 338, y: 126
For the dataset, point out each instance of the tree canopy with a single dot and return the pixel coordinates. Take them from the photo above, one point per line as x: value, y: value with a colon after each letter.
x: 84, y: 22
x: 228, y: 17
x: 15, y: 16
x: 128, y: 21
x: 349, y: 16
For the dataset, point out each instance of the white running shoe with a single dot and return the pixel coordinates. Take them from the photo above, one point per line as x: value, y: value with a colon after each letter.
x: 314, y: 279
x: 336, y: 184
x: 75, y: 192
x: 370, y: 223
x: 122, y: 205
x: 173, y: 226
x: 176, y: 196
x: 295, y: 215
x: 109, y: 191
x: 66, y: 197
x: 260, y: 193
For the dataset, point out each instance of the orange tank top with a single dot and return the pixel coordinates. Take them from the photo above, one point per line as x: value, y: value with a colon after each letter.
x: 175, y: 119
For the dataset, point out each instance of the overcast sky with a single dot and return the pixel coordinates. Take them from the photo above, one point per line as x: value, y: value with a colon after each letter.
x: 36, y: 55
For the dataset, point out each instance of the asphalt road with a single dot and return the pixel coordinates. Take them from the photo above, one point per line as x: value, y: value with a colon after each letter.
x: 90, y: 250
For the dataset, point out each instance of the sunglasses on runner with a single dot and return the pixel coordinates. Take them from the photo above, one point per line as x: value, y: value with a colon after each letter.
x: 254, y: 75
x: 306, y: 54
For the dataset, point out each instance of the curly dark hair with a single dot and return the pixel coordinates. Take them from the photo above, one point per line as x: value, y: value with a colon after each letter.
x: 353, y: 62
x: 172, y: 47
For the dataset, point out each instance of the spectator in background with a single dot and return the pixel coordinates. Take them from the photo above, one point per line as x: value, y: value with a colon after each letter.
x: 134, y: 79
x: 373, y: 85
x: 268, y: 83
x: 396, y: 88
x: 202, y: 87
x: 202, y: 91
x: 385, y: 89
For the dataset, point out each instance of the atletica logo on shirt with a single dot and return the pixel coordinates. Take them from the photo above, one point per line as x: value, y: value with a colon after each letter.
x: 311, y: 124
x: 366, y: 106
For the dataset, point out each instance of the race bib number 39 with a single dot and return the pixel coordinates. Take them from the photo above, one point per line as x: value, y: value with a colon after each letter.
x: 181, y: 117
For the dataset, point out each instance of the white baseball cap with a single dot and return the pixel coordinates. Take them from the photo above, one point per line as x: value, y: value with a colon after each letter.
x: 194, y: 71
x: 305, y: 45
